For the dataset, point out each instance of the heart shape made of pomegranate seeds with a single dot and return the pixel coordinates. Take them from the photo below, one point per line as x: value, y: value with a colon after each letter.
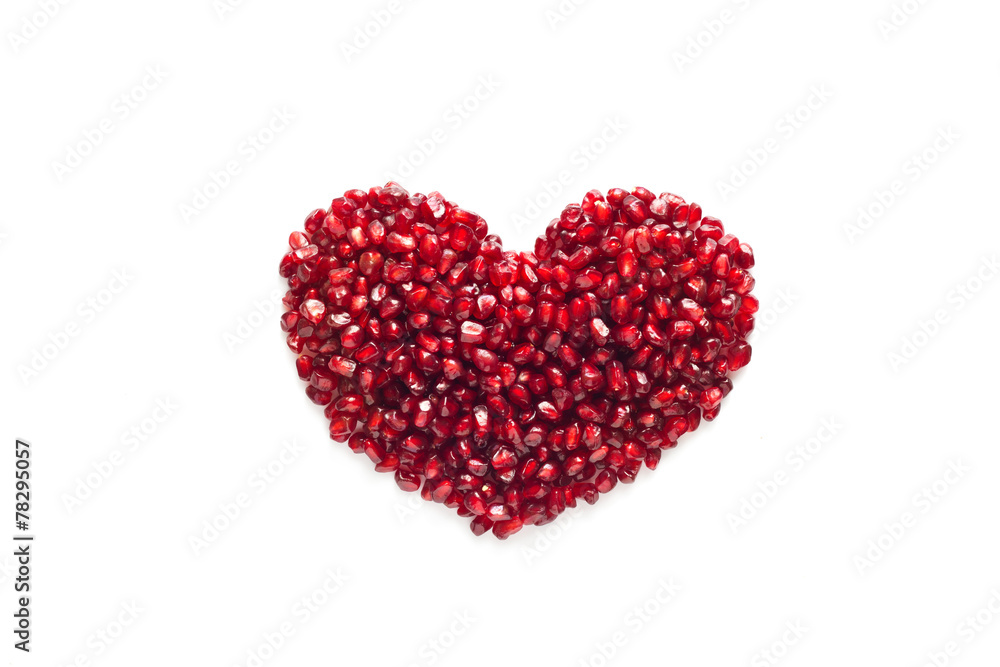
x: 510, y: 385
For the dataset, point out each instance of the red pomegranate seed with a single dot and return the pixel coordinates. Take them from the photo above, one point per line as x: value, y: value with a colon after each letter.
x: 313, y: 310
x: 504, y: 529
x: 473, y: 332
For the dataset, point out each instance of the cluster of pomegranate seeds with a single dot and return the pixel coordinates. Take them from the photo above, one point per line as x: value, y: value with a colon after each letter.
x: 512, y: 385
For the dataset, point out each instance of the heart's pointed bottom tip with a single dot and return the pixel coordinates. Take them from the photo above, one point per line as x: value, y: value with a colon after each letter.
x: 510, y: 385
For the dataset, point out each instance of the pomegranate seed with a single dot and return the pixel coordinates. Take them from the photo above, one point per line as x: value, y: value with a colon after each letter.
x: 504, y: 529
x: 313, y: 310
x: 485, y: 360
x: 473, y: 332
x: 343, y: 366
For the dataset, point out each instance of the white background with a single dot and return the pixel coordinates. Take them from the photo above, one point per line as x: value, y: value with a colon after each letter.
x: 196, y: 326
